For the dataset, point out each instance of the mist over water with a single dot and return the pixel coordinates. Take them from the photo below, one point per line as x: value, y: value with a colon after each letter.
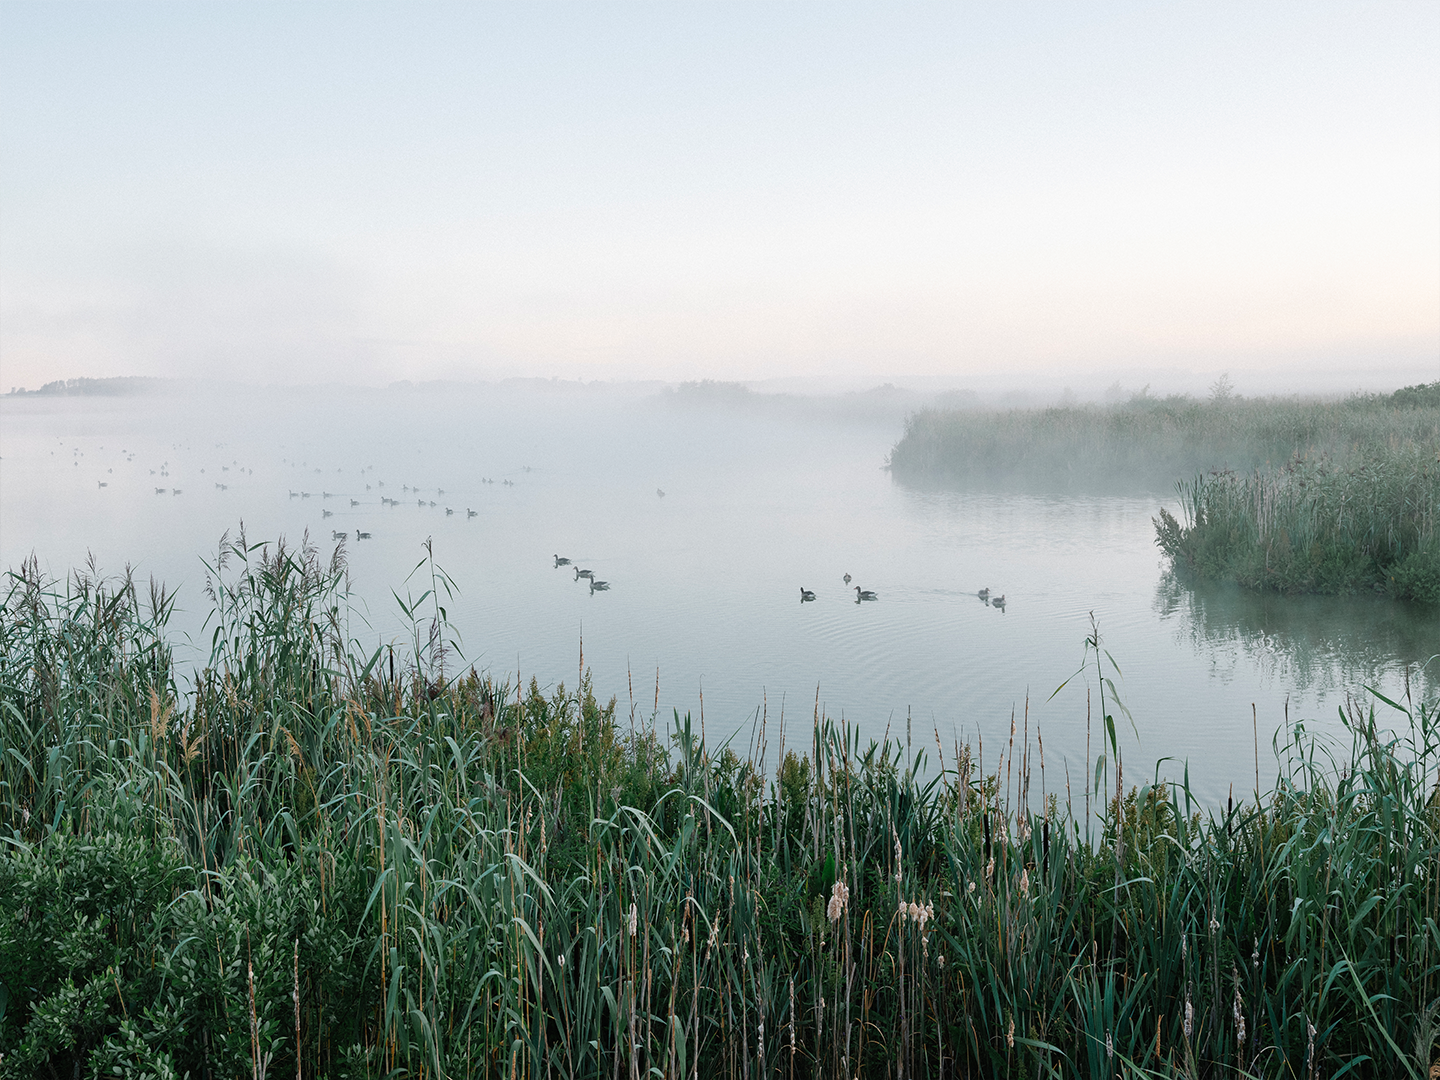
x: 761, y: 499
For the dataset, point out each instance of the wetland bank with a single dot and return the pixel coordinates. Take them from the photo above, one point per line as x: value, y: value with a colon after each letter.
x: 299, y: 833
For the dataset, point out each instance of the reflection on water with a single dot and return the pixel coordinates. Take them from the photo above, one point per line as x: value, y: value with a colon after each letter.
x: 1312, y: 644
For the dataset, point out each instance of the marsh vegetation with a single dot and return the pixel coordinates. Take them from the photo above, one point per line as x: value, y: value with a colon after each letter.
x: 1150, y: 443
x: 315, y: 857
x: 1315, y: 526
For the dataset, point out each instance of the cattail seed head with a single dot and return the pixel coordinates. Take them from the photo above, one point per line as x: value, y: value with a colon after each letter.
x: 839, y: 899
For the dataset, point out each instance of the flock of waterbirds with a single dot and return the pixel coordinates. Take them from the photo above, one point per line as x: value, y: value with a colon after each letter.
x: 596, y: 585
x: 235, y: 469
x: 861, y: 595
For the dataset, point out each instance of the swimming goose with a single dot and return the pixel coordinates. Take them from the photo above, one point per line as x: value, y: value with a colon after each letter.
x: 362, y: 536
x: 806, y: 595
x: 598, y: 586
x: 998, y: 601
x: 471, y: 513
x: 561, y: 561
x: 584, y: 573
x: 847, y: 579
x: 984, y: 594
x: 864, y: 594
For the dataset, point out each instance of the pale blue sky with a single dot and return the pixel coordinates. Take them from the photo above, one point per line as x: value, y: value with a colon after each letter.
x: 306, y: 192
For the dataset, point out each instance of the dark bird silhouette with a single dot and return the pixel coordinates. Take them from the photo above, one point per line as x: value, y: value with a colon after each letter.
x: 984, y: 594
x: 847, y: 579
x: 561, y: 561
x: 598, y: 586
x: 806, y: 595
x: 362, y: 536
x: 584, y: 573
x: 864, y: 594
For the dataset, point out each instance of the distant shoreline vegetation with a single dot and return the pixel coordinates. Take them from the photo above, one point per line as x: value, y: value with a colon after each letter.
x: 1148, y: 443
x: 1277, y: 494
x: 120, y: 386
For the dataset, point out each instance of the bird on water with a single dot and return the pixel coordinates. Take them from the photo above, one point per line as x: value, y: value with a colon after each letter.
x: 984, y: 594
x: 806, y: 595
x: 584, y: 573
x: 847, y: 579
x: 560, y: 561
x: 864, y: 594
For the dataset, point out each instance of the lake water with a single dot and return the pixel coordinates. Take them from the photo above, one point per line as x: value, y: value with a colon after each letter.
x: 705, y: 580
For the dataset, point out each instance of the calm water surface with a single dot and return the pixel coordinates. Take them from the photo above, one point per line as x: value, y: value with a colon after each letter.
x: 705, y: 581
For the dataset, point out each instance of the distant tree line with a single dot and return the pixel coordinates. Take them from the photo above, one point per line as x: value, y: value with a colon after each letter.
x: 118, y: 386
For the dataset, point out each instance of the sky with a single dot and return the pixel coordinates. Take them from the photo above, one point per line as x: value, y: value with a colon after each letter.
x: 969, y: 194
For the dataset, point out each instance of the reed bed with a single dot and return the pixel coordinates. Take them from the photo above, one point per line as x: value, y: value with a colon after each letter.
x: 318, y: 859
x: 1150, y: 442
x: 1311, y: 526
